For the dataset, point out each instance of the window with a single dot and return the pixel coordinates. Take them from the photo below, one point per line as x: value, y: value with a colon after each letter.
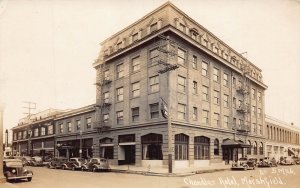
x: 261, y: 149
x: 36, y: 132
x: 205, y: 93
x: 154, y: 84
x: 120, y: 70
x: 20, y: 135
x: 135, y: 114
x: 240, y: 104
x: 253, y: 127
x: 153, y: 27
x: 136, y: 89
x: 241, y: 123
x: 181, y: 111
x: 205, y: 117
x: 226, y: 102
x: 15, y: 136
x: 201, y: 148
x: 226, y: 121
x: 78, y: 124
x: 194, y: 62
x: 216, y: 75
x: 216, y: 119
x: 234, y: 102
x: 259, y: 112
x: 253, y: 110
x: 120, y: 94
x: 106, y: 97
x: 154, y: 56
x: 181, y: 147
x: 194, y: 35
x: 233, y: 81
x: 253, y: 93
x: 182, y: 27
x: 259, y: 129
x: 120, y: 117
x: 181, y: 57
x: 195, y: 87
x: 234, y: 122
x: 105, y: 118
x: 61, y: 128
x: 215, y: 49
x: 135, y: 64
x: 106, y: 75
x: 216, y: 147
x: 195, y: 113
x: 225, y: 78
x: 69, y: 126
x: 259, y: 96
x: 24, y: 134
x: 152, y: 146
x: 249, y: 149
x: 216, y: 97
x: 181, y: 83
x: 135, y: 37
x: 43, y: 131
x: 50, y: 129
x: 204, y: 68
x: 88, y: 122
x: 119, y: 45
x: 154, y: 112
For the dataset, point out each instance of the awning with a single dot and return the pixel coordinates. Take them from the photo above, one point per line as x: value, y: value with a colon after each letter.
x: 234, y: 144
x: 291, y: 152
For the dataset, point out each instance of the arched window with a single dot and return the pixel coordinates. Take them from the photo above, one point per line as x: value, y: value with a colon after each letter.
x: 201, y: 148
x: 255, y: 148
x: 216, y: 147
x: 249, y: 149
x: 181, y: 147
x: 261, y: 149
x: 152, y: 146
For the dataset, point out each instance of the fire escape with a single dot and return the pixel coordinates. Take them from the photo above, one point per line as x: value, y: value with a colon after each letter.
x: 243, y: 107
x: 103, y: 103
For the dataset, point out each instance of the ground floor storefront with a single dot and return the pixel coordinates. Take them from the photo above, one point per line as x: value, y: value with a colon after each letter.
x: 279, y: 149
x: 191, y: 146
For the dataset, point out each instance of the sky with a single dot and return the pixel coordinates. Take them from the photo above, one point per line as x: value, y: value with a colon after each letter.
x: 47, y: 47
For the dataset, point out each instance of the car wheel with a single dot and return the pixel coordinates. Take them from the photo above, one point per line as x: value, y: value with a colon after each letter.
x: 73, y: 168
x: 63, y: 167
x: 29, y: 179
x: 94, y: 169
x: 82, y: 169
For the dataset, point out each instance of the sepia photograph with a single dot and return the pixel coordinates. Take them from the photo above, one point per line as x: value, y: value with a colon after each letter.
x: 149, y: 93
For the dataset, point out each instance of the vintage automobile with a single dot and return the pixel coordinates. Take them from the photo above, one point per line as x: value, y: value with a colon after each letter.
x: 73, y: 164
x: 296, y: 160
x: 57, y: 162
x: 243, y: 164
x: 266, y: 162
x: 96, y: 164
x: 286, y: 161
x: 13, y: 170
x: 37, y: 161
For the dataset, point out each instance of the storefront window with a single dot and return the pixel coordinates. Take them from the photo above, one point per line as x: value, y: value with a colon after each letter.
x: 152, y: 147
x: 201, y: 148
x: 181, y: 147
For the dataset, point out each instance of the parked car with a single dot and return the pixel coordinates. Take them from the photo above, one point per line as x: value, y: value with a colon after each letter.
x: 286, y: 161
x: 26, y: 160
x: 13, y: 169
x: 243, y: 164
x: 57, y: 162
x: 96, y: 164
x: 37, y: 161
x: 296, y: 160
x: 73, y: 163
x: 266, y: 162
x: 47, y: 160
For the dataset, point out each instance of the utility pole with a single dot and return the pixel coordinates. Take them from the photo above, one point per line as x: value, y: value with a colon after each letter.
x: 30, y: 106
x: 2, y: 178
x: 166, y: 49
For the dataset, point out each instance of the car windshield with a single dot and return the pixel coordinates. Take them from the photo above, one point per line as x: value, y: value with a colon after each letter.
x: 81, y: 160
x: 14, y: 164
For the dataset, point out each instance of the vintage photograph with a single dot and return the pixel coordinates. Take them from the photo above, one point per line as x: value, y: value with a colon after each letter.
x: 149, y: 93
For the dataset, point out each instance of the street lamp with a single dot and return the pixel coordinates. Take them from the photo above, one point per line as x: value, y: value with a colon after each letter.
x: 2, y: 178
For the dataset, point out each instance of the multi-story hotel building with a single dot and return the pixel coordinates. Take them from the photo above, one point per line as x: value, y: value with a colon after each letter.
x: 217, y: 95
x: 282, y: 139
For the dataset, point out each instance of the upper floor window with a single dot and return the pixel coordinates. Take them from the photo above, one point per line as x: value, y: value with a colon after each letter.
x: 253, y: 110
x: 106, y: 75
x: 120, y: 70
x: 195, y: 87
x: 135, y: 37
x: 69, y: 126
x: 50, y: 129
x: 24, y: 134
x: 195, y: 113
x: 135, y: 114
x: 136, y: 64
x: 226, y: 102
x: 61, y: 128
x: 153, y: 27
x: 253, y: 93
x: 154, y: 84
x: 204, y: 68
x: 205, y: 117
x: 226, y: 80
x: 181, y: 56
x: 154, y: 56
x: 181, y: 111
x: 233, y: 81
x: 216, y: 97
x: 78, y: 124
x: 226, y: 121
x: 182, y: 27
x: 119, y: 45
x: 259, y: 96
x: 154, y: 111
x: 216, y: 75
x: 36, y: 132
x: 106, y: 97
x: 181, y: 83
x: 259, y: 112
x: 120, y: 117
x: 136, y: 89
x: 216, y: 119
x: 105, y: 118
x: 15, y: 136
x: 43, y: 131
x: 120, y: 94
x: 88, y: 122
x: 205, y: 93
x: 194, y: 62
x: 20, y: 135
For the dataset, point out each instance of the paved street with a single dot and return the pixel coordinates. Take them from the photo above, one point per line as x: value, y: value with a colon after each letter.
x: 282, y: 176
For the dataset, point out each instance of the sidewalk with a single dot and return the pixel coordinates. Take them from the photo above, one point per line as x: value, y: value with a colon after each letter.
x: 8, y: 185
x: 156, y: 171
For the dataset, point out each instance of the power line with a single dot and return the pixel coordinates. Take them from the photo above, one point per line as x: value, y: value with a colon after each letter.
x: 30, y: 106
